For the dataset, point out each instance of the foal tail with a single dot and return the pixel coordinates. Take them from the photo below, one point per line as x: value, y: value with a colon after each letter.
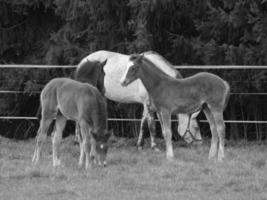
x: 39, y: 116
x: 227, y: 95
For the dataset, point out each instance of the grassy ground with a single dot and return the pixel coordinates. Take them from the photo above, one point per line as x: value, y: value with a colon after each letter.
x: 133, y: 174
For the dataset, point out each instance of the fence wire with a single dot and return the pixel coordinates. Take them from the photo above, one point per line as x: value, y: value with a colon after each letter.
x: 239, y: 67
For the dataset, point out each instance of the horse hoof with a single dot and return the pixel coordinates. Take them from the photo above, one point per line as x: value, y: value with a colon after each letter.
x: 170, y: 159
x: 90, y: 166
x: 80, y: 166
x: 156, y: 149
x: 197, y: 143
x: 56, y: 163
x: 139, y: 148
x: 34, y: 160
x: 220, y: 158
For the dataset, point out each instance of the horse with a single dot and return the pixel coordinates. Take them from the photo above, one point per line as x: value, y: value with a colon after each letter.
x: 202, y: 91
x: 108, y: 82
x: 66, y: 99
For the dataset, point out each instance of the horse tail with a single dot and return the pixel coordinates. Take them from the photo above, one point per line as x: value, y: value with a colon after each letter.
x: 53, y: 123
x: 227, y: 95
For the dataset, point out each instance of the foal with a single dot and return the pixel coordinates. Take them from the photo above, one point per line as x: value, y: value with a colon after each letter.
x: 66, y: 99
x: 172, y: 96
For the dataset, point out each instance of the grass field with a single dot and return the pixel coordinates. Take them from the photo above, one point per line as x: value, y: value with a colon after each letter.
x: 133, y: 174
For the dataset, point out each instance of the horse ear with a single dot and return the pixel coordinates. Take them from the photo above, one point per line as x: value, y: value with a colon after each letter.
x: 139, y: 57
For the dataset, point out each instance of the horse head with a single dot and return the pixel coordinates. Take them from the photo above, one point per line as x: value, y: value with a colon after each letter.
x: 101, y: 146
x: 91, y: 72
x: 132, y: 69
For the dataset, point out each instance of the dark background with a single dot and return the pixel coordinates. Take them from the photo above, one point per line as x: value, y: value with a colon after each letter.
x: 186, y: 32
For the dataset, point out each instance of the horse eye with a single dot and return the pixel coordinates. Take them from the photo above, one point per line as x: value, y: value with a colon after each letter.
x: 134, y: 68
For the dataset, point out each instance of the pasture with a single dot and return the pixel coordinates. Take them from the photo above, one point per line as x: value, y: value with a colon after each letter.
x: 133, y: 174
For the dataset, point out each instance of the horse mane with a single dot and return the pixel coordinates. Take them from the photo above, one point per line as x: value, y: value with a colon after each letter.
x: 162, y: 63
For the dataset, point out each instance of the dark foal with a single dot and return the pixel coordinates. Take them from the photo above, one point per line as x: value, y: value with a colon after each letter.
x: 66, y: 99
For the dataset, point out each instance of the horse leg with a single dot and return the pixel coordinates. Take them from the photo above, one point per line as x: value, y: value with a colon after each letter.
x: 85, y: 144
x: 57, y: 137
x: 77, y: 133
x: 194, y: 126
x: 93, y: 150
x: 152, y: 128
x: 148, y: 115
x: 82, y: 152
x: 140, y: 141
x: 195, y: 135
x: 36, y: 154
x: 184, y: 122
x: 78, y: 137
x: 218, y: 116
x: 40, y: 138
x: 214, y: 133
x: 165, y: 117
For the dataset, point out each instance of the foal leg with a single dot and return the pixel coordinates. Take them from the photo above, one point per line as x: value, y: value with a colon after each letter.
x: 140, y: 141
x: 149, y: 116
x: 152, y: 128
x: 79, y: 138
x: 57, y: 137
x: 85, y: 144
x: 165, y: 117
x: 77, y: 132
x: 194, y: 126
x: 93, y: 150
x: 218, y: 116
x: 40, y: 138
x: 214, y: 133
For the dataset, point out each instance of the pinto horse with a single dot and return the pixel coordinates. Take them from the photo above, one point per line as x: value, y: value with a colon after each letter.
x: 171, y: 96
x: 64, y: 99
x: 108, y: 82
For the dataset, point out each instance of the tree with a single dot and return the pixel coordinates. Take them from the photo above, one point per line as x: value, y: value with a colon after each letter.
x: 199, y: 32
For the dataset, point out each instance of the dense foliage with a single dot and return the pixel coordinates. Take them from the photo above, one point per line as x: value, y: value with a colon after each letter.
x: 199, y: 32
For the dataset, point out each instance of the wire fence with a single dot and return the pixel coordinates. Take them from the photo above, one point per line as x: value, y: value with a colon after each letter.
x: 176, y: 67
x: 22, y: 66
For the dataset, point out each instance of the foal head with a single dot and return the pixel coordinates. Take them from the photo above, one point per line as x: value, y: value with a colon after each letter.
x: 101, y: 147
x: 132, y: 70
x: 91, y: 72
